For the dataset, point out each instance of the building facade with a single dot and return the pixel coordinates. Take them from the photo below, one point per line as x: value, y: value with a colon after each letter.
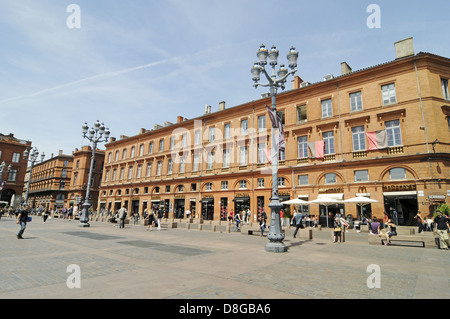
x: 380, y: 132
x: 12, y: 179
x: 80, y: 176
x: 49, y: 182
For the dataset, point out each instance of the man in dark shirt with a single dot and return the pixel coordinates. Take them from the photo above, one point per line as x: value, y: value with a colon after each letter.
x: 22, y: 218
x: 440, y: 227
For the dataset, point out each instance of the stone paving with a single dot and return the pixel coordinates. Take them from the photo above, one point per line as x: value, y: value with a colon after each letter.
x: 191, y: 264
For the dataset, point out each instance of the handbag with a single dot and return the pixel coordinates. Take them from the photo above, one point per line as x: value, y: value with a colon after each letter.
x: 29, y: 219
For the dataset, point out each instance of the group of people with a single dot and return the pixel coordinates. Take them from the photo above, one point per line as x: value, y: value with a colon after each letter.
x: 153, y: 215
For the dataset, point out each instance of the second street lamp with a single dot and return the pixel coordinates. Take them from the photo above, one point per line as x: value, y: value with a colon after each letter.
x: 95, y: 136
x: 276, y: 234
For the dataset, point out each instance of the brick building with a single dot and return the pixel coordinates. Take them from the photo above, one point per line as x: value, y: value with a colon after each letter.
x: 381, y: 132
x: 12, y: 180
x: 80, y: 177
x: 49, y: 184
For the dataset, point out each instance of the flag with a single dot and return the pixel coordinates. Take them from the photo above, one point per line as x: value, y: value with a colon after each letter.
x: 377, y: 140
x: 316, y: 149
x: 277, y: 123
x: 267, y: 152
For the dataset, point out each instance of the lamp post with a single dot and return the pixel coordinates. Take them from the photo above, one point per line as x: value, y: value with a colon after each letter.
x: 33, y: 157
x: 275, y: 235
x: 94, y: 135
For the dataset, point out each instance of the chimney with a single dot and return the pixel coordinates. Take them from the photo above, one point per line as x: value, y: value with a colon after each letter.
x: 404, y: 48
x: 180, y: 119
x: 207, y: 109
x: 296, y: 82
x: 112, y: 139
x: 60, y: 152
x: 222, y: 106
x: 142, y: 131
x: 345, y: 68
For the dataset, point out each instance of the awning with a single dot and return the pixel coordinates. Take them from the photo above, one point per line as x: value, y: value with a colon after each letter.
x: 207, y: 200
x: 404, y: 193
x: 241, y: 199
x: 334, y: 196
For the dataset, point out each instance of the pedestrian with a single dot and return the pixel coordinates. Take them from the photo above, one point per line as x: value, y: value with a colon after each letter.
x: 230, y: 216
x: 262, y: 224
x: 282, y: 217
x: 188, y: 213
x: 46, y: 214
x: 22, y: 219
x: 420, y: 221
x: 344, y: 224
x: 374, y: 226
x: 160, y: 216
x: 441, y: 227
x: 151, y: 219
x: 392, y: 231
x: 122, y: 216
x: 136, y: 218
x: 248, y: 217
x: 238, y: 219
x: 298, y: 222
x: 337, y: 230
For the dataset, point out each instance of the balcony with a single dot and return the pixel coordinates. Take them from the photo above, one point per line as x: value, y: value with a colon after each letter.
x: 395, y: 150
x: 359, y: 154
x: 330, y: 157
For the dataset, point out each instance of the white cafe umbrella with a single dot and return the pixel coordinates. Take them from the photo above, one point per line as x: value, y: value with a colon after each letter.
x: 295, y: 201
x: 13, y: 199
x: 361, y: 201
x: 326, y: 201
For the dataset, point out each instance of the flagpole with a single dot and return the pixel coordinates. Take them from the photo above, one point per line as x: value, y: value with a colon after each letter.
x: 275, y: 235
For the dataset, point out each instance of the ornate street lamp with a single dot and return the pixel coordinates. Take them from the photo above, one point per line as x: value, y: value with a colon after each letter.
x: 94, y: 135
x: 275, y: 235
x: 32, y: 159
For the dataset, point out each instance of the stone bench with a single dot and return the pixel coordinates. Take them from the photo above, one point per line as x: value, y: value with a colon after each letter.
x: 425, y: 241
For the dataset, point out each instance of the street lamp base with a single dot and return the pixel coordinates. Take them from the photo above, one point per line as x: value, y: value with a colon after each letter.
x: 276, y: 247
x: 84, y: 225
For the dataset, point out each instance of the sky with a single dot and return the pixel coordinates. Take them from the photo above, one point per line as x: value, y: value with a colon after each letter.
x: 136, y: 63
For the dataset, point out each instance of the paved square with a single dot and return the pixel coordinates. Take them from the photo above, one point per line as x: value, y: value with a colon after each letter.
x: 190, y: 264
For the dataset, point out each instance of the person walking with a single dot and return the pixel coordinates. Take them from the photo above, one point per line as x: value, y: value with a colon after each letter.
x: 46, y: 214
x: 160, y: 216
x: 151, y: 219
x: 262, y: 224
x: 122, y: 216
x: 298, y: 221
x: 22, y: 219
x: 238, y: 219
x: 441, y: 227
x: 420, y: 221
x: 337, y: 230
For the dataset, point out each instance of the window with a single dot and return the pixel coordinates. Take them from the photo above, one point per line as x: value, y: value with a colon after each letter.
x: 64, y: 172
x: 243, y: 155
x: 161, y: 145
x: 180, y: 188
x: 330, y: 178
x: 244, y: 127
x: 172, y: 143
x: 117, y: 156
x: 122, y: 171
x: 393, y: 133
x: 182, y: 164
x: 224, y: 185
x: 261, y: 123
x: 208, y: 186
x: 355, y: 101
x: 327, y: 108
x: 301, y: 114
x: 359, y: 138
x: 243, y: 184
x: 124, y: 153
x: 157, y: 190
x: 212, y: 134
x: 132, y: 152
x: 281, y: 155
x: 444, y: 84
x: 62, y: 184
x: 260, y: 182
x: 197, y: 137
x: 64, y: 164
x: 226, y: 158
x: 302, y: 145
x: 150, y: 148
x: 139, y: 170
x: 109, y: 158
x: 106, y: 175
x: 149, y: 169
x: 12, y: 174
x: 361, y: 176
x: 397, y: 173
x: 227, y: 131
x: 281, y: 181
x: 158, y: 168
x: 170, y: 167
x: 196, y: 162
x: 184, y: 140
x: 281, y: 114
x: 167, y: 188
x: 193, y: 186
x: 328, y: 138
x: 75, y: 177
x: 303, y: 180
x: 388, y: 94
x: 130, y: 172
x: 141, y: 150
x: 261, y: 153
x: 210, y: 161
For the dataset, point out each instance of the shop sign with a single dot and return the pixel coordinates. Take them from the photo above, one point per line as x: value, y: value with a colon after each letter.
x: 399, y: 188
x: 331, y: 190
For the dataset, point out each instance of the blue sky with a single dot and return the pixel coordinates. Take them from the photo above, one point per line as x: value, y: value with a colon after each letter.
x: 137, y: 63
